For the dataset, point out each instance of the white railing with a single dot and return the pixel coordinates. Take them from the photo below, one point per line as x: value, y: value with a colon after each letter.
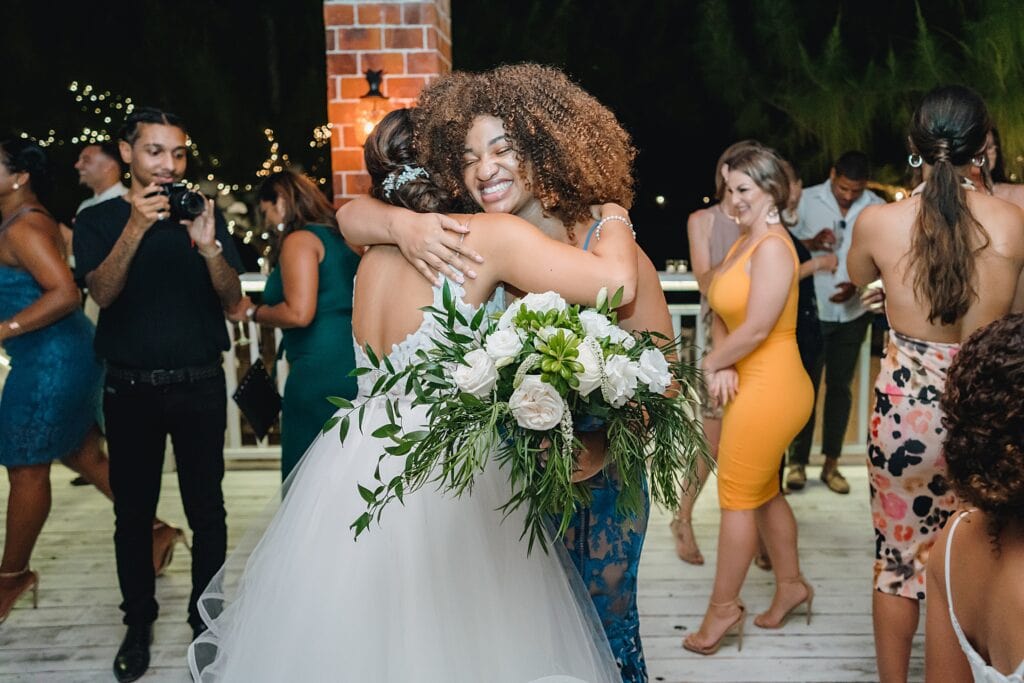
x: 246, y: 339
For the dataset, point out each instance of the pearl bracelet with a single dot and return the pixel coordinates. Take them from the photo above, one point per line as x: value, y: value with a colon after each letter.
x: 600, y: 224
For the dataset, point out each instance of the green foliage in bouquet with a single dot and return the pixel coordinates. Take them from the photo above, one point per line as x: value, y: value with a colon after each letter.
x: 509, y: 390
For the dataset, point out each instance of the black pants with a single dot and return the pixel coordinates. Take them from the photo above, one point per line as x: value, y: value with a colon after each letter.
x: 138, y: 419
x: 839, y: 361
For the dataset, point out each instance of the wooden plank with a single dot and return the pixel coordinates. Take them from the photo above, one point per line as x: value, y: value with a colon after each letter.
x: 76, y: 630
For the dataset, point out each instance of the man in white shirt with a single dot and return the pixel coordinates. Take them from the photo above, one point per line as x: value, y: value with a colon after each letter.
x: 827, y: 215
x: 99, y: 169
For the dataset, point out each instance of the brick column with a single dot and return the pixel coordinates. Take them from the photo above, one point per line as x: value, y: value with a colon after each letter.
x: 409, y: 39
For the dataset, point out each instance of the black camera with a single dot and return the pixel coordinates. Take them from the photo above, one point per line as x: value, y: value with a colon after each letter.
x: 185, y: 204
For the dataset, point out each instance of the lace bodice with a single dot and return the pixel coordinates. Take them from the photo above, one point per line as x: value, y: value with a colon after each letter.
x: 403, y: 353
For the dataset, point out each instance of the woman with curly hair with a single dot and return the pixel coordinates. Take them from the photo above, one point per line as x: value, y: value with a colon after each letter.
x: 442, y: 590
x: 974, y: 625
x: 523, y: 139
x: 951, y: 261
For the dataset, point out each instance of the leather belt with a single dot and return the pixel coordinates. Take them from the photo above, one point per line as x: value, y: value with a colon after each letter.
x: 158, y: 378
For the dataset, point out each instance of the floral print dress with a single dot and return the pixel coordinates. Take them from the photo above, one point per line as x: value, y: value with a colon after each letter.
x: 910, y: 497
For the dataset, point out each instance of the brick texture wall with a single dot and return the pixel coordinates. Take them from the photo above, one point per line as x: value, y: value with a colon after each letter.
x: 409, y: 39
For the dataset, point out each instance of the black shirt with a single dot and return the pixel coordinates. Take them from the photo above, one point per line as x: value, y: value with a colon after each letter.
x: 168, y: 315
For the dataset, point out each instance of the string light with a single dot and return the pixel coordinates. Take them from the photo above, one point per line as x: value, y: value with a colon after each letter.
x: 101, y: 108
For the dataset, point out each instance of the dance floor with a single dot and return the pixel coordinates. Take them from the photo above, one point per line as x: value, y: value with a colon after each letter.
x: 74, y: 633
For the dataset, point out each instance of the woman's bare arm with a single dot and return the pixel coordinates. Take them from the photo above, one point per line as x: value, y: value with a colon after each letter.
x: 301, y: 254
x: 860, y: 264
x: 432, y: 242
x: 523, y: 256
x: 698, y: 232
x: 34, y: 243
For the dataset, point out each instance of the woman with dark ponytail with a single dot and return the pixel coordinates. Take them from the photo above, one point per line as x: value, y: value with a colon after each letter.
x: 951, y: 260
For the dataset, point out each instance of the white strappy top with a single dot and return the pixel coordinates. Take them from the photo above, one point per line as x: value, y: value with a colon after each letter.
x: 981, y: 670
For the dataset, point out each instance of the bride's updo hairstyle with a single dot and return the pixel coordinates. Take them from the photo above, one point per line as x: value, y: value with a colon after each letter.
x: 766, y: 168
x: 983, y: 410
x: 948, y: 130
x: 391, y: 162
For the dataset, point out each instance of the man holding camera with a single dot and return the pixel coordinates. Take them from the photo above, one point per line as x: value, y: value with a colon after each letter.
x: 161, y: 265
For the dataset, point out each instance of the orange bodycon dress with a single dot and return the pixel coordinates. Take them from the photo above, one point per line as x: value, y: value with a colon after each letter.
x: 775, y: 395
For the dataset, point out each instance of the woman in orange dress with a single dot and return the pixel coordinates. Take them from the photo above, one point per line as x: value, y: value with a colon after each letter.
x: 755, y: 370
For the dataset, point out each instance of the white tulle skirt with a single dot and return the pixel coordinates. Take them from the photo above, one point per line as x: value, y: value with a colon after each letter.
x: 441, y: 591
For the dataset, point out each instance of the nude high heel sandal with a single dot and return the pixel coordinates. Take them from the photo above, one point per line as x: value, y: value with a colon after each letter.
x: 735, y: 627
x: 759, y: 620
x: 30, y: 582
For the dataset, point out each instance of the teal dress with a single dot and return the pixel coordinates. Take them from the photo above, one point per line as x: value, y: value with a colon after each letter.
x: 320, y: 356
x: 51, y: 396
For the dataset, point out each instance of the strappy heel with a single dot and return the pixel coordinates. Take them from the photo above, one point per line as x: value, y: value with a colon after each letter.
x: 32, y: 584
x: 735, y: 627
x: 687, y: 552
x: 809, y: 601
x: 165, y: 538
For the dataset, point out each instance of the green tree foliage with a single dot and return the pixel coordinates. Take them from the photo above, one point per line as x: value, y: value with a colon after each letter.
x: 816, y: 95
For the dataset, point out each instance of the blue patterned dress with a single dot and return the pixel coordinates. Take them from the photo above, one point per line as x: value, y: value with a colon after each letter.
x: 51, y: 395
x: 605, y: 549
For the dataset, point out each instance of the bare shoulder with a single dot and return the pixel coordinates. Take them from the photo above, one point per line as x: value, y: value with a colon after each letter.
x: 493, y: 230
x: 1004, y: 223
x: 701, y: 219
x: 301, y: 241
x: 32, y: 227
x: 773, y: 250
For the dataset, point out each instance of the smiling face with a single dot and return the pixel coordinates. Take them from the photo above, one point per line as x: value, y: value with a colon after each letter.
x: 492, y: 172
x: 95, y: 169
x: 747, y: 202
x: 158, y: 155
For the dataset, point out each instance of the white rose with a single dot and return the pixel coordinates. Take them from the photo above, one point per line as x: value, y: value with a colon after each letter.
x: 502, y: 346
x: 621, y: 373
x: 543, y: 302
x: 602, y: 297
x: 536, y: 404
x: 654, y: 371
x: 596, y: 325
x: 590, y: 378
x: 620, y: 336
x: 478, y: 375
x: 505, y: 321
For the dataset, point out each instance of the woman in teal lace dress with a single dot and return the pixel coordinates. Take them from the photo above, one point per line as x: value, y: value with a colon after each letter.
x: 49, y: 398
x: 309, y: 296
x: 525, y: 140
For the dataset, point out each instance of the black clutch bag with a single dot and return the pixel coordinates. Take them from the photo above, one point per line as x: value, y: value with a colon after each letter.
x: 258, y: 399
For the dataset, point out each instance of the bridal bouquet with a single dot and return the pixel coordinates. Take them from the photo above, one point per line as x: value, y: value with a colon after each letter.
x: 516, y: 389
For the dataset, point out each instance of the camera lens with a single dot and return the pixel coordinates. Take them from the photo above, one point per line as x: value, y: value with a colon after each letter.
x: 190, y: 204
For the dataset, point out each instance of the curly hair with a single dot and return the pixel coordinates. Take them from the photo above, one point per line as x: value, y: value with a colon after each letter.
x: 984, y: 421
x: 389, y: 152
x: 575, y: 149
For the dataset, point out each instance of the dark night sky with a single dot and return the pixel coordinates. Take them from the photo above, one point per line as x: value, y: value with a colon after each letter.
x: 232, y: 69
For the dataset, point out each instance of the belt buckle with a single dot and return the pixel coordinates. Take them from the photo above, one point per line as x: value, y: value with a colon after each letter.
x: 160, y: 377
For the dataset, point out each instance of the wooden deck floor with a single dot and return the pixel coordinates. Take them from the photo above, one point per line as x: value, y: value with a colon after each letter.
x: 76, y: 630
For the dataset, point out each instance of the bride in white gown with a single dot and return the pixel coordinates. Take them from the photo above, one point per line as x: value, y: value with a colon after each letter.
x: 442, y: 590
